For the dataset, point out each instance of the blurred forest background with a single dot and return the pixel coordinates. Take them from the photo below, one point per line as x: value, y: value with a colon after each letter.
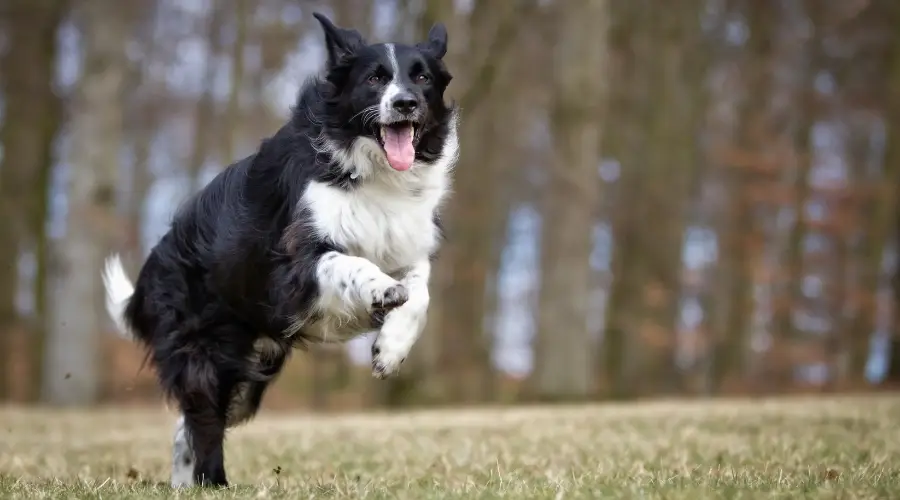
x: 654, y: 198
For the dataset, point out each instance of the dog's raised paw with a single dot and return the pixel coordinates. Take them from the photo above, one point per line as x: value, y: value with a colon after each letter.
x: 392, y: 297
x: 379, y: 371
x: 385, y: 363
x: 382, y: 370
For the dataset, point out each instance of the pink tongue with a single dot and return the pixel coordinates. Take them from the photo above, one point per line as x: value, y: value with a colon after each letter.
x: 398, y: 144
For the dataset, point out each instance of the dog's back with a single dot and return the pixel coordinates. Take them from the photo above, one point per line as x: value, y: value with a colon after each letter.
x: 212, y: 265
x: 195, y: 266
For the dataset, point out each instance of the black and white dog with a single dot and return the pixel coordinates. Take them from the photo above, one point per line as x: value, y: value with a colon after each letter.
x: 325, y: 233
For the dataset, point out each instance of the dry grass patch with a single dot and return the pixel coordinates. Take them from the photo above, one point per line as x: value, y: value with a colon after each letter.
x: 793, y: 448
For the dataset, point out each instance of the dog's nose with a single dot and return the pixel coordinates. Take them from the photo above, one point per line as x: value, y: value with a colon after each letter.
x: 405, y: 104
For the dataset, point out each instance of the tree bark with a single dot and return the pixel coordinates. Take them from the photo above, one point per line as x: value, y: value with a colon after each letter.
x: 73, y: 358
x: 33, y: 113
x: 564, y: 361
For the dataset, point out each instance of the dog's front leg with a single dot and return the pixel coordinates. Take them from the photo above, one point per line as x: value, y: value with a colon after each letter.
x: 348, y: 284
x: 403, y: 325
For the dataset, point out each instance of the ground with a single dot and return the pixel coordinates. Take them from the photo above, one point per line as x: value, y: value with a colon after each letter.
x: 785, y: 448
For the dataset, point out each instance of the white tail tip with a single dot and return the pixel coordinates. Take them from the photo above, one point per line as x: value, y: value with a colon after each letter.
x: 118, y: 290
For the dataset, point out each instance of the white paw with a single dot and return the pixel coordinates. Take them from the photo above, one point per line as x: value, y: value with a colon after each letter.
x: 182, y: 459
x: 394, y: 341
x: 387, y: 357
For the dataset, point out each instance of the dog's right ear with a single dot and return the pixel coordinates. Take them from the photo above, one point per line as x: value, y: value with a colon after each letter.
x: 339, y: 42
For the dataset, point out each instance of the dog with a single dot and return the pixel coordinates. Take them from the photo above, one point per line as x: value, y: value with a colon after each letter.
x: 327, y: 232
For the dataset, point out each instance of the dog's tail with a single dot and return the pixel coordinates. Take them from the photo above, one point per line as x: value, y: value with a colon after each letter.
x: 119, y: 289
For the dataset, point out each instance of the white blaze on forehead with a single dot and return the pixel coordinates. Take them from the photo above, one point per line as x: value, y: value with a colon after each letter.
x: 392, y: 57
x: 393, y: 88
x: 397, y: 141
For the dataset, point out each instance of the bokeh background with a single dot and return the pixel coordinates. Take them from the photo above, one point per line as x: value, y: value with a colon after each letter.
x: 654, y: 198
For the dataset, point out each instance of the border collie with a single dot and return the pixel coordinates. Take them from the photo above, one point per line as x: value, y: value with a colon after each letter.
x: 325, y: 233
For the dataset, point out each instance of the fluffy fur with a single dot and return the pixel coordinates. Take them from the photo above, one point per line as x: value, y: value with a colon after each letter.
x: 320, y: 236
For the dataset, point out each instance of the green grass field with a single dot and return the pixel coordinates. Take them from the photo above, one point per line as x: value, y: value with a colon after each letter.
x: 791, y: 448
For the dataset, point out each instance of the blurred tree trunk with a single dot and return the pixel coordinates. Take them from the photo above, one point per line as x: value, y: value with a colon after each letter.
x: 867, y: 87
x: 836, y: 301
x: 873, y: 226
x: 679, y: 69
x: 801, y: 54
x: 32, y: 117
x: 141, y: 181
x: 668, y: 74
x: 74, y: 359
x: 738, y: 233
x: 621, y: 140
x: 142, y: 121
x: 564, y: 364
x: 242, y: 13
x: 864, y: 229
x: 465, y: 347
x: 147, y: 118
x: 876, y: 236
x: 475, y: 212
x: 205, y: 126
x: 784, y: 330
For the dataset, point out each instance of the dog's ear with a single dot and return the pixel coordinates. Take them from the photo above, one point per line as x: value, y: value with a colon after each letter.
x: 436, y: 46
x: 339, y: 42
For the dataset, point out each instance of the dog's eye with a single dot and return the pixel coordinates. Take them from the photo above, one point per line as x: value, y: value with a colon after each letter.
x: 375, y: 79
x: 422, y: 78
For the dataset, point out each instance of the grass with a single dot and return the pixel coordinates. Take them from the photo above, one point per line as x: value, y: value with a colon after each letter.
x: 792, y: 448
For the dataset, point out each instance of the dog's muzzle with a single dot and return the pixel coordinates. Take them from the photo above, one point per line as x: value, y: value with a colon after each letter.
x: 398, y: 130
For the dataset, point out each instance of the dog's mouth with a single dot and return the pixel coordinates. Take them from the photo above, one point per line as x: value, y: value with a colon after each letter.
x: 399, y: 142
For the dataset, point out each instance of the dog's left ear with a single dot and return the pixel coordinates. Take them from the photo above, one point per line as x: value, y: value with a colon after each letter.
x: 436, y: 46
x: 340, y: 42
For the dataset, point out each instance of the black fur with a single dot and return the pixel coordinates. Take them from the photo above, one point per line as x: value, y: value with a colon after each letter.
x: 239, y: 260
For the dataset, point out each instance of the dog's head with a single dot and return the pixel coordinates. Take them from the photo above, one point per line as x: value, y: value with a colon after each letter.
x: 391, y: 93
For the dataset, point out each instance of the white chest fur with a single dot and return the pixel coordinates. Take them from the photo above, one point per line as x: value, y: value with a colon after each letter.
x: 388, y: 219
x: 391, y: 228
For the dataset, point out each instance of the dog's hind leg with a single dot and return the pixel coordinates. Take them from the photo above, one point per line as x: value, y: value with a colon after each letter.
x: 207, y: 437
x: 219, y: 382
x: 204, y: 426
x: 202, y: 378
x: 245, y: 400
x: 182, y: 457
